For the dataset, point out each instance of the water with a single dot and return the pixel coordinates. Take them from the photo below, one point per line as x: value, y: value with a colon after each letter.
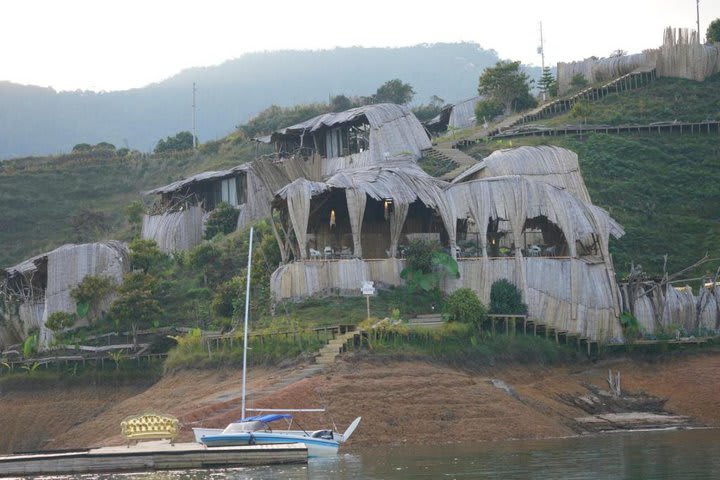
x: 690, y: 454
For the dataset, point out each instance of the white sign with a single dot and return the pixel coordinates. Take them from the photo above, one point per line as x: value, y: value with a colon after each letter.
x: 368, y: 288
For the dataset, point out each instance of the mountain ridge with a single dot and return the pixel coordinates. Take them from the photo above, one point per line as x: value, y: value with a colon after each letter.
x: 40, y: 121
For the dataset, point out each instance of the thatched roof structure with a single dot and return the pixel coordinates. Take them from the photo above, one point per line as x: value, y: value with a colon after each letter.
x: 458, y: 115
x: 549, y: 164
x: 359, y: 137
x: 662, y: 306
x: 41, y: 285
x: 180, y: 185
x: 185, y: 204
x: 517, y: 199
x: 401, y: 182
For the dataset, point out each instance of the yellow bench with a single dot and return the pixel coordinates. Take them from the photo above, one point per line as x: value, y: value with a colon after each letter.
x: 150, y: 426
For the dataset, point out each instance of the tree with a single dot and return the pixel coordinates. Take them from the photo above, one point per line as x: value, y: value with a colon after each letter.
x: 713, y: 32
x: 136, y: 305
x: 340, y: 103
x: 507, y: 85
x: 547, y: 83
x: 134, y: 212
x: 426, y: 112
x: 145, y: 255
x: 82, y: 148
x: 181, y: 141
x: 394, y: 91
x: 581, y: 110
x: 487, y: 110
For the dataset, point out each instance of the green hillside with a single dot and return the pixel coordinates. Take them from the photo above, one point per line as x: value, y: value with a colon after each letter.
x: 663, y: 188
x: 46, y: 202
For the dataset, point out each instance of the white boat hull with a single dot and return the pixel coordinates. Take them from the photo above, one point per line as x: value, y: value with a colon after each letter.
x: 317, y: 447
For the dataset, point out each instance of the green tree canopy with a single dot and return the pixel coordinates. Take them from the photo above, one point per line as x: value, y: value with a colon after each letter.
x: 137, y: 304
x: 507, y: 85
x: 547, y: 83
x: 394, y: 91
x: 181, y: 141
x: 713, y: 31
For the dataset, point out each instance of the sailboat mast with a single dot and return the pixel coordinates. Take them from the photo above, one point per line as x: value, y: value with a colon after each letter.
x: 245, y: 329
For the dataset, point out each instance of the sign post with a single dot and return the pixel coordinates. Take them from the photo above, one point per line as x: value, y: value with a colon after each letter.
x: 368, y: 289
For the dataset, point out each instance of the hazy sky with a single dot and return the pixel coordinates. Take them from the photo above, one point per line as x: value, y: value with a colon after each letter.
x: 121, y: 44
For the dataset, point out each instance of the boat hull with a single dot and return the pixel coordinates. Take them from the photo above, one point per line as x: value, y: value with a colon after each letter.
x: 317, y: 447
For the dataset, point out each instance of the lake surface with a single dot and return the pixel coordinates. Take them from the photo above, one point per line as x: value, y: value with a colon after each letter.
x: 688, y: 454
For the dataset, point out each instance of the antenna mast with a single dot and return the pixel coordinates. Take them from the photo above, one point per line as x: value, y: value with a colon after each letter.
x: 194, y: 133
x: 541, y: 51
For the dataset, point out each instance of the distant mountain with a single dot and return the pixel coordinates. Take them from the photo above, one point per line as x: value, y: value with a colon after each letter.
x: 40, y: 121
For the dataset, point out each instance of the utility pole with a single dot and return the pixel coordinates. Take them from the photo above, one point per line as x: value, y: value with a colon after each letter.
x: 194, y: 133
x: 541, y: 51
x: 697, y: 3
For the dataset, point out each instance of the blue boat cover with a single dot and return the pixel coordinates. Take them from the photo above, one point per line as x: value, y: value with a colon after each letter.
x: 267, y: 418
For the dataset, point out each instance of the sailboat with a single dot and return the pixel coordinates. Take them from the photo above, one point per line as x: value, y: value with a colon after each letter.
x: 256, y: 430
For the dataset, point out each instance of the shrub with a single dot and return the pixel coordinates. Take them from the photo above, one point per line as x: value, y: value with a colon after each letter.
x: 505, y: 298
x: 221, y: 220
x: 90, y: 293
x: 58, y: 321
x: 631, y: 327
x: 463, y: 305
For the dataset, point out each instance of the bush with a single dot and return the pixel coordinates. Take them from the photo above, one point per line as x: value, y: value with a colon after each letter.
x: 506, y: 299
x: 221, y: 220
x: 58, y: 321
x: 463, y: 305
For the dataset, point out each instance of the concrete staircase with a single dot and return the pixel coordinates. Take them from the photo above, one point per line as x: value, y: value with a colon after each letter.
x: 430, y: 320
x: 327, y: 354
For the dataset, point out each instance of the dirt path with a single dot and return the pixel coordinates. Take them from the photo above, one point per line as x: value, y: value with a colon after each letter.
x: 400, y: 402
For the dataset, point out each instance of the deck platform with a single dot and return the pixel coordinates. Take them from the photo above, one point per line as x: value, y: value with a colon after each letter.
x: 149, y: 456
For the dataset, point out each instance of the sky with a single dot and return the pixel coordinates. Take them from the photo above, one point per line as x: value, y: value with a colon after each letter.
x: 106, y: 45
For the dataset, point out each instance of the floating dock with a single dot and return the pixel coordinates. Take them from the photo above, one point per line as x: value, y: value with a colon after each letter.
x: 149, y: 456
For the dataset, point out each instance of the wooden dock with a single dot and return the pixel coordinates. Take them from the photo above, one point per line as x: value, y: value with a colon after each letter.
x: 149, y: 456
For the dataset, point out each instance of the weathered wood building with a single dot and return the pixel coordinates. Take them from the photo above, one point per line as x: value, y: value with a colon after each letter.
x: 179, y: 214
x: 41, y: 285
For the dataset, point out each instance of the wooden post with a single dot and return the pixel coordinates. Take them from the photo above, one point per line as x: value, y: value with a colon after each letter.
x: 507, y: 326
x: 367, y: 298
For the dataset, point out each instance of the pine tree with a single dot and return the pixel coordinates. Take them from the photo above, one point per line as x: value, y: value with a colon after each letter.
x: 547, y: 83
